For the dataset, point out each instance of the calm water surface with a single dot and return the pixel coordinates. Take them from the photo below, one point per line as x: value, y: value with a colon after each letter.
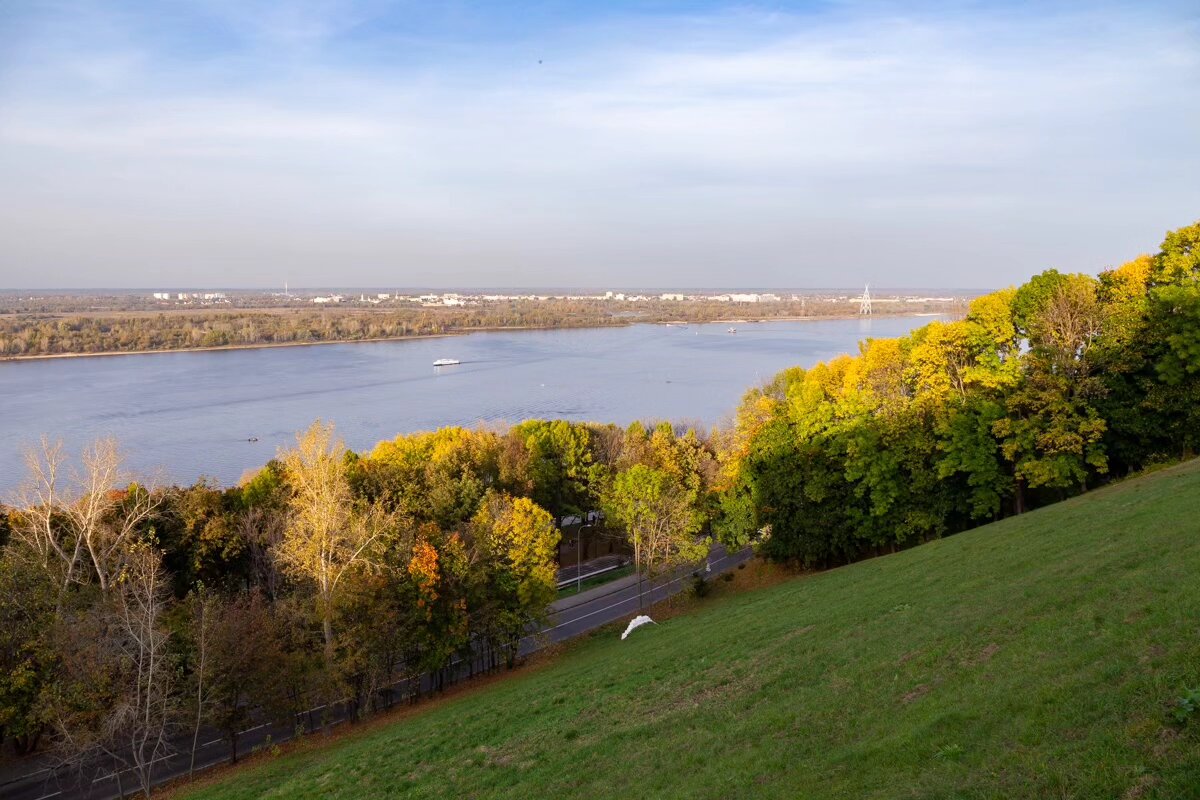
x: 191, y: 414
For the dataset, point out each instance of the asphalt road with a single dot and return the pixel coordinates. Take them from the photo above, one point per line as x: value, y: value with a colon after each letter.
x: 570, y: 617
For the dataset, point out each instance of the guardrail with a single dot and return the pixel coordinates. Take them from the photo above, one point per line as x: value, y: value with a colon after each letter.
x: 585, y: 576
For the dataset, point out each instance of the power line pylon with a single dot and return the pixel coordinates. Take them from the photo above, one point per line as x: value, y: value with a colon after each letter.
x: 864, y: 305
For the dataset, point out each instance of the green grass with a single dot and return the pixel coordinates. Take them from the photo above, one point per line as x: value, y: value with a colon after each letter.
x: 1034, y: 658
x: 598, y: 580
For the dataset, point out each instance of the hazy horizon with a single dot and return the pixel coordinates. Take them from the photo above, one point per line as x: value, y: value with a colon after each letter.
x: 98, y: 290
x: 676, y: 144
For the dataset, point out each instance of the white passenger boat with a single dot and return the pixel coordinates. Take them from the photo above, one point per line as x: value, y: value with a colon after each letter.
x: 446, y: 362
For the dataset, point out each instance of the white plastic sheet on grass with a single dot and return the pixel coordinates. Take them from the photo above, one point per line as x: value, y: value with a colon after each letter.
x: 635, y: 623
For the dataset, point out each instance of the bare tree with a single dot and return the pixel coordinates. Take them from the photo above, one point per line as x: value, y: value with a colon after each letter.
x: 118, y: 704
x: 40, y: 526
x: 203, y: 607
x: 139, y: 725
x: 81, y: 528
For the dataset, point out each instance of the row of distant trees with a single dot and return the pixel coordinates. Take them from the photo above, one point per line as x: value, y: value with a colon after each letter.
x: 133, y: 615
x: 58, y: 333
x: 1039, y: 393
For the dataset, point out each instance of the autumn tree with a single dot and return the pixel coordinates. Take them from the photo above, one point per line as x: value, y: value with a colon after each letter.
x: 438, y: 572
x: 80, y: 523
x: 658, y: 517
x: 237, y: 660
x: 1178, y: 261
x: 328, y: 534
x: 200, y: 535
x: 116, y: 702
x: 260, y: 521
x: 438, y: 476
x: 517, y: 540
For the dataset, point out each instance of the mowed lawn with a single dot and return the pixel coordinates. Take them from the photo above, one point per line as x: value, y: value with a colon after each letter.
x: 1034, y: 658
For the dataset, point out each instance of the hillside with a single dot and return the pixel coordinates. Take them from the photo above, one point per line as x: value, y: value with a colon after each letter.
x: 1036, y: 657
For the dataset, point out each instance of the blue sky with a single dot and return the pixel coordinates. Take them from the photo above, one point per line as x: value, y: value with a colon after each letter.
x: 243, y: 143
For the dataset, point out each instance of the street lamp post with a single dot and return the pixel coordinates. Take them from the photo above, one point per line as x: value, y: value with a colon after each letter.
x: 579, y: 555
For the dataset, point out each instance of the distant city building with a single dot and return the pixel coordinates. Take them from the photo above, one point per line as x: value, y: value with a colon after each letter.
x: 672, y: 296
x: 162, y: 295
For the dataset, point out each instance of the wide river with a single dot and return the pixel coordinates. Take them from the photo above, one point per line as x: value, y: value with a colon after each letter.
x: 183, y: 415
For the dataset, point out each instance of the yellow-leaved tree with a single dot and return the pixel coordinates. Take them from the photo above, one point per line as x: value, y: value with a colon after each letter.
x: 328, y: 533
x: 518, y: 539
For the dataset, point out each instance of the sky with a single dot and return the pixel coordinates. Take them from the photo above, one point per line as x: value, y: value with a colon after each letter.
x: 239, y: 143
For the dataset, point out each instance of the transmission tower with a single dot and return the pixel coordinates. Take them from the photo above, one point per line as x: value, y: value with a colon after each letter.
x: 864, y: 305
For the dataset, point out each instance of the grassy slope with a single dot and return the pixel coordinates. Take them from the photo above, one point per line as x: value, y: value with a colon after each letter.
x: 1036, y: 657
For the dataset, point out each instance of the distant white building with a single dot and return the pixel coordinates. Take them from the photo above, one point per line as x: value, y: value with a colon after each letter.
x: 162, y: 295
x: 672, y: 296
x: 744, y: 298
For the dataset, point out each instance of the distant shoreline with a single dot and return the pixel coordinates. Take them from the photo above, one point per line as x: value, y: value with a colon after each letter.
x: 490, y: 329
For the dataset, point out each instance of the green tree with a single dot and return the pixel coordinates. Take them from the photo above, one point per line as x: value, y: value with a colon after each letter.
x: 237, y: 655
x: 654, y: 509
x: 1178, y: 261
x: 564, y: 476
x: 518, y: 542
x: 27, y: 656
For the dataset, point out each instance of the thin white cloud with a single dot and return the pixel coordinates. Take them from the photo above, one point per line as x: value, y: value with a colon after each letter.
x: 738, y: 141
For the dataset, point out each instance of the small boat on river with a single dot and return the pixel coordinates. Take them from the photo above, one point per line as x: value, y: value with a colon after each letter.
x: 446, y: 362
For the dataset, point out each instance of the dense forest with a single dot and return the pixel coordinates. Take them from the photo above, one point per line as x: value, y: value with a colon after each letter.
x: 1039, y: 393
x: 125, y: 608
x: 61, y: 333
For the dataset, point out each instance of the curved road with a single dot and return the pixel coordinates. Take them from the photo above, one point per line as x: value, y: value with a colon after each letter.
x: 569, y: 617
